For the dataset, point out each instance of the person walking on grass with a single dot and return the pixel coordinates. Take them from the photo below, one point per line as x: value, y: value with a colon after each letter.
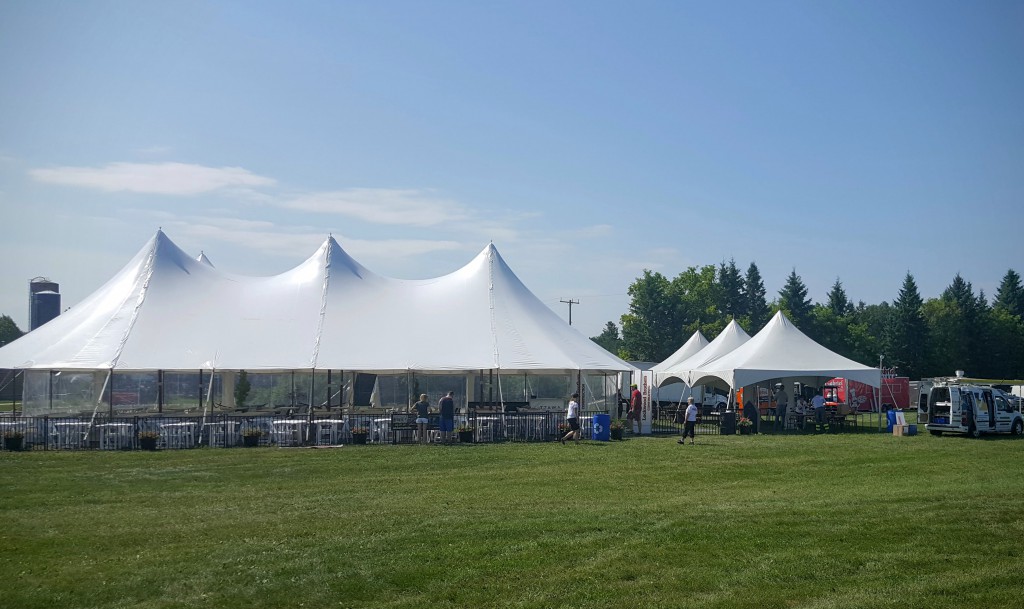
x: 422, y: 410
x: 690, y: 424
x: 572, y: 417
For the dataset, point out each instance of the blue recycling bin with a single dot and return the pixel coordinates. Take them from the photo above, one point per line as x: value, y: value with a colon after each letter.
x: 599, y: 429
x: 890, y: 416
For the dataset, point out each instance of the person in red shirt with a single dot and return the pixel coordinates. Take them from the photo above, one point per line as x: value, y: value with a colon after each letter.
x: 635, y: 403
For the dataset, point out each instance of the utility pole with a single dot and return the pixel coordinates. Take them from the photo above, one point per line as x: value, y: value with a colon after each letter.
x: 570, y: 302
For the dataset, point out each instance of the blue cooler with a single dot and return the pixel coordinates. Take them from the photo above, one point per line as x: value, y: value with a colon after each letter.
x: 600, y: 427
x: 911, y: 430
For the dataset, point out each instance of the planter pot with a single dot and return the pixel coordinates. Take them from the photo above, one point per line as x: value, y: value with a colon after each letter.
x: 359, y: 438
x: 466, y: 437
x: 250, y: 441
x: 616, y: 434
x: 746, y: 431
x: 14, y: 444
x: 147, y: 443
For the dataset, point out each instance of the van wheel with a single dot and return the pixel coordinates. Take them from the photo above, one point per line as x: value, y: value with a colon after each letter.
x: 1018, y: 428
x: 936, y: 433
x: 974, y: 432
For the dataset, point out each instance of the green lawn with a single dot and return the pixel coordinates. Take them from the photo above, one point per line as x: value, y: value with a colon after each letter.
x: 857, y: 520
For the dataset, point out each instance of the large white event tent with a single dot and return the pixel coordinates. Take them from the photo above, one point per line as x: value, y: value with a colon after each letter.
x: 780, y: 350
x: 168, y: 311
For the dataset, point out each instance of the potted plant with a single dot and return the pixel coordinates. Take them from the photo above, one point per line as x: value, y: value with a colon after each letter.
x: 563, y: 428
x: 148, y: 439
x: 746, y: 426
x: 616, y: 429
x: 251, y: 436
x: 14, y: 439
x: 359, y: 435
x: 465, y: 433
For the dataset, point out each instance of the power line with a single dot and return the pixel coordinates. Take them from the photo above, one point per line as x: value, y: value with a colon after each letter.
x: 570, y: 302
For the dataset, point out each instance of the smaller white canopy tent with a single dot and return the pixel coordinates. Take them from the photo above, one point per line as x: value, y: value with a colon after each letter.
x: 691, y: 346
x: 780, y: 350
x: 727, y: 340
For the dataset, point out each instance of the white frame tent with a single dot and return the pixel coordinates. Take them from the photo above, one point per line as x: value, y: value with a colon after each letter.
x: 168, y: 311
x: 781, y: 350
x: 693, y: 345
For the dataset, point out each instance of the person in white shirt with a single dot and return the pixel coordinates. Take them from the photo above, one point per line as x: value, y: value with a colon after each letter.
x: 691, y: 421
x: 572, y: 417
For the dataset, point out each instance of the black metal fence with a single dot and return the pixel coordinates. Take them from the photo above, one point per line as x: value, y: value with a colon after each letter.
x: 228, y: 431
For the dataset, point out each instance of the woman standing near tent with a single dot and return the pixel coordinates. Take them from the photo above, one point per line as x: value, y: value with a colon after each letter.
x: 422, y: 409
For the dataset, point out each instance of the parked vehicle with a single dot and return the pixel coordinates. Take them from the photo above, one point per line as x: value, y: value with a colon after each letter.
x: 957, y: 407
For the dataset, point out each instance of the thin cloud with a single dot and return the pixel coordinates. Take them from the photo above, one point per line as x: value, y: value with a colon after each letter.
x: 153, y: 178
x: 404, y: 207
x: 297, y: 242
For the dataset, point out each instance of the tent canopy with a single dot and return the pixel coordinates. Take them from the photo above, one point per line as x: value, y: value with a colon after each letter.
x: 731, y: 337
x: 780, y: 350
x: 166, y: 310
x: 691, y: 346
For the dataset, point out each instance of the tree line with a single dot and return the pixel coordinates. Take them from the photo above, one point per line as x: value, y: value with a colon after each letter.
x: 958, y: 330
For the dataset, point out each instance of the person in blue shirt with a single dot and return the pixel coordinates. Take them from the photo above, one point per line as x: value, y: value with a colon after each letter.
x: 818, y: 403
x: 447, y: 424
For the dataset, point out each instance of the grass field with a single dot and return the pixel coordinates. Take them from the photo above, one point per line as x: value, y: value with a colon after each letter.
x: 857, y: 520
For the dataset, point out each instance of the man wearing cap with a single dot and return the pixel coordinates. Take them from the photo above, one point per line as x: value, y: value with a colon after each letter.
x: 691, y: 421
x: 635, y: 403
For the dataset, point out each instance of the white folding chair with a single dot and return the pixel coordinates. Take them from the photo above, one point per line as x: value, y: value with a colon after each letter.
x: 327, y: 433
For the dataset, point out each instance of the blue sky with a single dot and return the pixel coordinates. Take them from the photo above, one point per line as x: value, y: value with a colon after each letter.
x: 587, y: 140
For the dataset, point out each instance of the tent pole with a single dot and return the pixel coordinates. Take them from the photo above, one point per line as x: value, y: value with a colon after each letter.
x: 209, y: 397
x: 160, y: 391
x: 309, y: 409
x: 99, y: 400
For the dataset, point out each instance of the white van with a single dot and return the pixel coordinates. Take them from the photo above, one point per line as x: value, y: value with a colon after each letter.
x: 971, y: 409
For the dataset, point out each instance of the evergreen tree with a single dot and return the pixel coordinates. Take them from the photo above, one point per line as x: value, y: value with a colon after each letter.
x: 609, y: 338
x: 1006, y: 345
x: 757, y: 311
x: 963, y: 326
x: 837, y: 300
x: 905, y: 337
x: 733, y: 303
x: 9, y: 331
x: 1010, y: 295
x: 794, y: 302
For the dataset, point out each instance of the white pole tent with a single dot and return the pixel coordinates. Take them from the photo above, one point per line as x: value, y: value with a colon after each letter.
x: 168, y: 311
x: 780, y: 350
